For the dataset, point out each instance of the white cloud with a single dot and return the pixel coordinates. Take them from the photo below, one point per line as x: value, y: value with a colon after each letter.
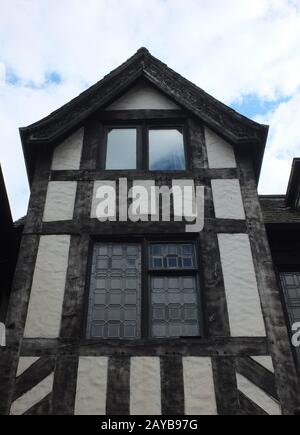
x: 283, y: 145
x: 230, y: 48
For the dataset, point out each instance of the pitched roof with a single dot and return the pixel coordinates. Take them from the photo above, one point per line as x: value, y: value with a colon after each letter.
x: 275, y: 210
x: 229, y: 124
x: 293, y: 191
x: 5, y: 213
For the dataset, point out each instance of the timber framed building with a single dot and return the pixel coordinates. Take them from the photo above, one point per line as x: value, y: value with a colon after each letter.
x: 144, y: 317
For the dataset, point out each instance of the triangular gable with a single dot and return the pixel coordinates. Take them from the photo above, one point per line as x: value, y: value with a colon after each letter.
x: 143, y: 96
x: 233, y: 127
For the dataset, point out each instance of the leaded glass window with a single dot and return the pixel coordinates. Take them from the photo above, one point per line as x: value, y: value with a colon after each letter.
x: 174, y: 298
x: 165, y: 303
x: 172, y: 256
x: 115, y: 291
x: 290, y: 282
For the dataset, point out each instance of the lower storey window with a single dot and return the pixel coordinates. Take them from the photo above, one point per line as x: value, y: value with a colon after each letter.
x: 290, y: 282
x: 144, y: 290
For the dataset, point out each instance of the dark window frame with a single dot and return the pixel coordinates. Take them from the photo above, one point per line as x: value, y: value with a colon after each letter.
x: 177, y: 272
x: 280, y: 269
x: 142, y: 148
x: 145, y: 241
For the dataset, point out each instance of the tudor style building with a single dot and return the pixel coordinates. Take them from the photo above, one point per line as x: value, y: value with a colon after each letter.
x: 144, y: 317
x: 9, y: 246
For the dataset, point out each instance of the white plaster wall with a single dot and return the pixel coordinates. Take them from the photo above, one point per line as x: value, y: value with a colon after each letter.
x: 91, y: 386
x: 60, y: 201
x: 143, y: 97
x: 67, y: 155
x: 245, y: 313
x: 258, y: 396
x: 199, y: 391
x: 48, y: 287
x: 145, y: 389
x: 24, y: 363
x: 228, y: 202
x: 33, y: 396
x: 220, y: 153
x: 264, y: 361
x: 96, y: 201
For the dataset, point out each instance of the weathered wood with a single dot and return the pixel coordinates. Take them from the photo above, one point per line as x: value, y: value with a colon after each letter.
x: 16, y: 318
x: 118, y: 386
x: 72, y: 313
x: 44, y: 407
x: 148, y: 347
x: 258, y: 375
x: 33, y: 222
x: 64, y: 386
x: 248, y: 407
x: 8, y: 367
x: 197, y: 145
x: 280, y: 347
x: 225, y: 385
x: 94, y: 227
x: 33, y: 376
x: 216, y: 313
x: 91, y: 144
x: 201, y: 176
x: 172, y: 388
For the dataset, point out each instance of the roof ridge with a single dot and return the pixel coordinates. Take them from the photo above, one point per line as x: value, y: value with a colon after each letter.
x: 141, y: 52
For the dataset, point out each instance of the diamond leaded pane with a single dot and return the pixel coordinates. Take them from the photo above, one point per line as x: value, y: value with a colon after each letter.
x: 172, y: 256
x: 290, y: 282
x: 115, y: 291
x: 174, y: 307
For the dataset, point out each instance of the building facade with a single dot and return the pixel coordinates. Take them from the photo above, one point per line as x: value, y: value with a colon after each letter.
x: 9, y: 242
x: 146, y: 316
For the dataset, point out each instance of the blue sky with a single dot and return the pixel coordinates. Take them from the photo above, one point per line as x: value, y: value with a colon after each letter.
x: 244, y: 53
x: 253, y: 106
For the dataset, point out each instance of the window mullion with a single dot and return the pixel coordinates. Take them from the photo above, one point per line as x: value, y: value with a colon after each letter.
x: 145, y: 146
x: 145, y: 292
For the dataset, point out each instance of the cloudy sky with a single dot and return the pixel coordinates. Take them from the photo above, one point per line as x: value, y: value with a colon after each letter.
x: 245, y: 53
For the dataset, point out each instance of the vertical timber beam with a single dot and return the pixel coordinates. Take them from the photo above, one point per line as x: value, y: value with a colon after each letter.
x: 279, y: 342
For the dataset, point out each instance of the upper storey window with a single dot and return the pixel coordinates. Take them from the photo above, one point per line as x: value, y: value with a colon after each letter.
x: 121, y: 148
x: 145, y: 147
x: 166, y: 150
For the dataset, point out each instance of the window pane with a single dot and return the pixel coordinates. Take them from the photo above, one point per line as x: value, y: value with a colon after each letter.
x: 166, y: 150
x: 115, y: 291
x: 121, y: 148
x: 290, y: 282
x: 174, y: 307
x: 172, y: 256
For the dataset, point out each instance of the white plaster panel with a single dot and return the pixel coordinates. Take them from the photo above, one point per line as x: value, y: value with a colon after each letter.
x: 143, y: 97
x: 258, y: 396
x: 67, y: 155
x: 24, y: 363
x: 245, y: 312
x: 33, y: 396
x: 228, y: 202
x: 60, y: 201
x: 199, y: 391
x: 96, y: 200
x: 265, y: 361
x: 220, y: 153
x: 48, y: 286
x: 91, y: 386
x: 145, y: 388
